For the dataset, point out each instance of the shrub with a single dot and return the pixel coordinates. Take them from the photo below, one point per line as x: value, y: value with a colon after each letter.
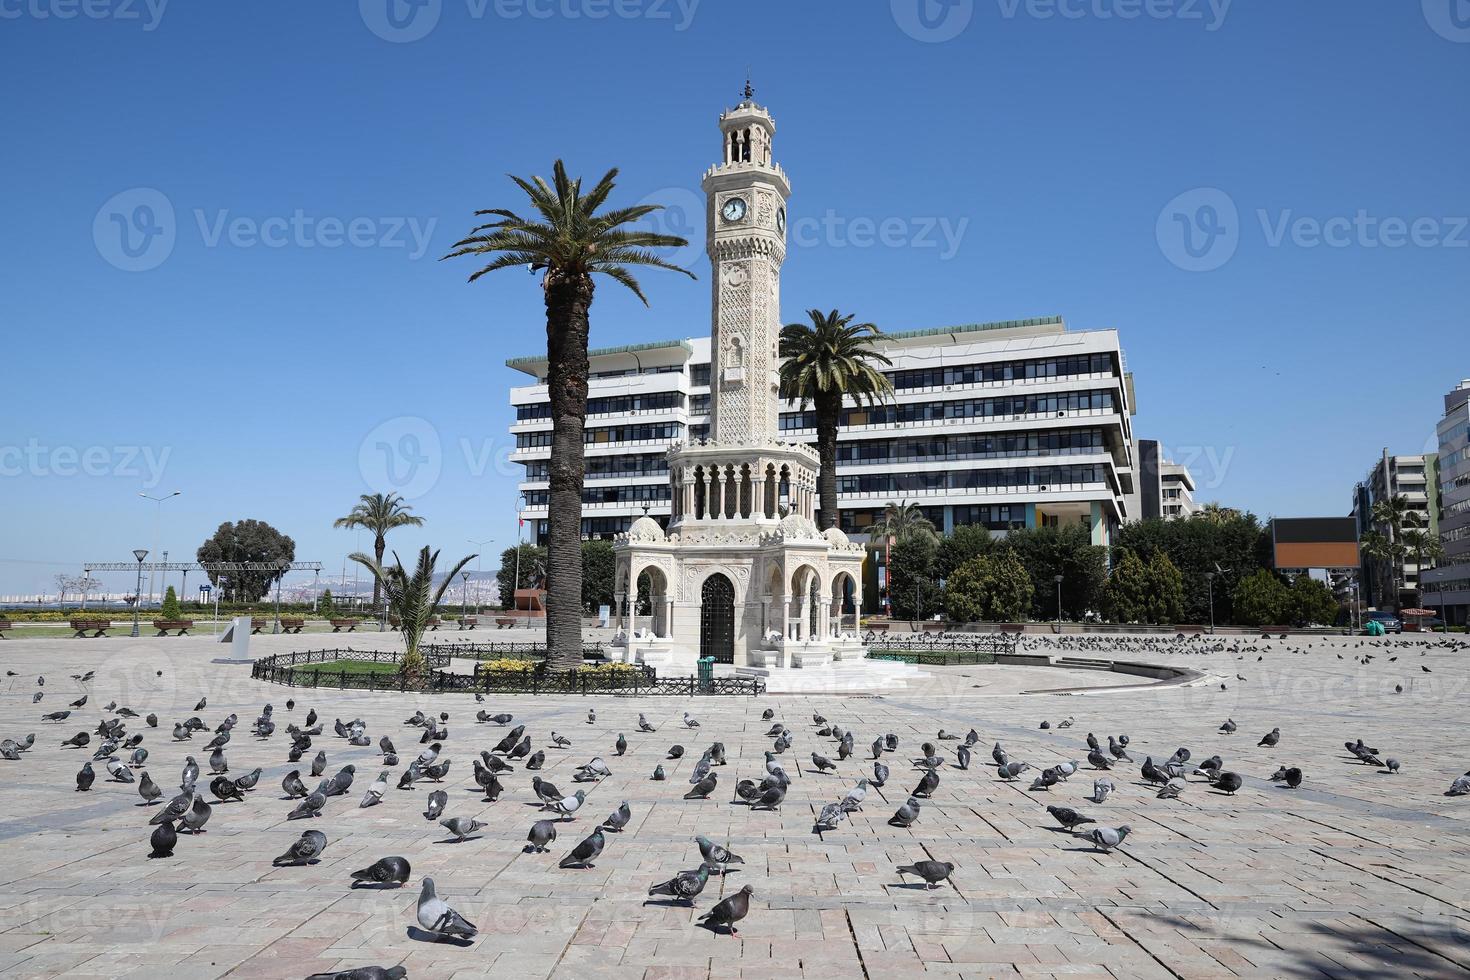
x: 990, y: 588
x: 171, y: 610
x: 325, y: 606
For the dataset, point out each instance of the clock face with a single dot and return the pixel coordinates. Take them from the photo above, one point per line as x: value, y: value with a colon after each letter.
x: 734, y: 209
x: 781, y: 220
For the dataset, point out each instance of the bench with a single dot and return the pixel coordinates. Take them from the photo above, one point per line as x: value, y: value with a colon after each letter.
x: 469, y: 622
x: 258, y: 625
x: 877, y: 627
x: 94, y: 627
x: 501, y: 622
x: 5, y: 624
x: 292, y: 624
x: 338, y: 625
x: 932, y: 627
x: 182, y: 625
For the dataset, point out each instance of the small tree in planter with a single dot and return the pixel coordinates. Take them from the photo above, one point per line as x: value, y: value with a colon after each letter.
x: 171, y: 611
x: 412, y: 598
x: 326, y: 607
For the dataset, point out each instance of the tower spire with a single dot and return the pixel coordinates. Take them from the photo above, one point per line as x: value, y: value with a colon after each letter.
x: 749, y: 91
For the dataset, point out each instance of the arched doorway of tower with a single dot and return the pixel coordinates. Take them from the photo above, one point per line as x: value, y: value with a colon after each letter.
x: 717, y: 619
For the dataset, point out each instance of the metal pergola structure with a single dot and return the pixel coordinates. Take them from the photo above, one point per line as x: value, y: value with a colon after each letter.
x: 282, y: 567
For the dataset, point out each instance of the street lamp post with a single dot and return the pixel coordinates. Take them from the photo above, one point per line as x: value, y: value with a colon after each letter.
x: 515, y: 584
x: 140, y: 554
x: 157, y: 521
x: 1058, y: 580
x: 479, y: 552
x: 1210, y: 582
x: 464, y: 600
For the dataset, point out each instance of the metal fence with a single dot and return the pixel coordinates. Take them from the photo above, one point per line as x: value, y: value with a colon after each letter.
x: 508, y: 651
x: 988, y: 643
x: 934, y: 658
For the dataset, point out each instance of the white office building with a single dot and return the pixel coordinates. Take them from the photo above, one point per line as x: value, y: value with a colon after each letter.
x: 1448, y: 586
x: 1021, y: 423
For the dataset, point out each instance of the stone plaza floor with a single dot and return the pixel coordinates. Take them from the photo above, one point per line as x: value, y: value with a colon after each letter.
x: 1357, y: 873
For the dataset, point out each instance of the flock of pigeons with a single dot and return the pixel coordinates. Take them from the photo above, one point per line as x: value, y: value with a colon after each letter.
x: 124, y: 757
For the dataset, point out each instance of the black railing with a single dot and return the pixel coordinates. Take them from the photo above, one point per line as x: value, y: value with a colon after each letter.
x: 507, y: 651
x: 935, y: 658
x: 299, y: 670
x: 988, y: 643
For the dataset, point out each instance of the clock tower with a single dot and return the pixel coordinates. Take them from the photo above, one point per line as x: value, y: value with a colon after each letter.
x: 746, y: 241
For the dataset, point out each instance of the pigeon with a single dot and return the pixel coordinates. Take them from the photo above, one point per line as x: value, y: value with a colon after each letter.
x: 658, y: 773
x: 880, y: 774
x: 197, y: 816
x: 1270, y: 739
x: 118, y: 771
x: 702, y: 789
x: 1100, y: 789
x: 502, y: 719
x: 309, y: 807
x: 293, y: 786
x: 543, y: 832
x: 435, y: 915
x: 384, y: 871
x: 928, y: 783
x: 374, y: 794
x: 684, y: 886
x: 962, y: 758
x: 570, y: 804
x: 437, y: 801
x: 306, y: 850
x: 217, y: 762
x: 822, y: 762
x: 768, y: 714
x: 621, y: 745
x: 933, y: 872
x: 78, y: 740
x: 906, y: 814
x: 729, y: 911
x: 224, y: 790
x: 1172, y: 789
x: 560, y: 741
x: 715, y: 856
x: 1293, y: 777
x: 644, y: 726
x: 1392, y: 765
x: 163, y: 840
x: 1098, y: 761
x: 1229, y: 782
x: 1068, y: 817
x: 85, y: 777
x: 1107, y: 838
x: 619, y: 818
x: 1012, y: 770
x: 174, y: 809
x: 676, y: 752
x: 462, y: 827
x: 319, y: 763
x: 592, y: 716
x: 586, y: 852
x: 148, y: 789
x: 690, y: 721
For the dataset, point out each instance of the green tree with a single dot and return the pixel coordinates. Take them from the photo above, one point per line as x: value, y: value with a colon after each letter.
x: 1312, y: 603
x: 824, y: 361
x: 379, y: 513
x: 170, y: 610
x: 1261, y: 600
x: 1233, y: 545
x: 966, y: 542
x: 325, y: 606
x: 246, y: 541
x: 902, y: 520
x: 412, y: 597
x: 569, y: 239
x: 991, y: 588
x: 599, y: 568
x: 532, y: 568
x: 1427, y: 552
x: 1126, y: 595
x: 912, y: 589
x: 1068, y: 551
x: 1166, y: 591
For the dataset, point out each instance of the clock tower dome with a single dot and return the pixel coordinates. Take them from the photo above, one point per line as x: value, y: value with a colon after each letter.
x: 746, y: 241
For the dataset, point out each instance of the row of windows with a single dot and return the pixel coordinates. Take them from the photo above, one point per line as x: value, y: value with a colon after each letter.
x: 658, y: 431
x: 1018, y: 477
x: 968, y: 374
x: 614, y: 404
x: 638, y: 493
x: 963, y: 408
x: 605, y: 467
x: 1062, y: 442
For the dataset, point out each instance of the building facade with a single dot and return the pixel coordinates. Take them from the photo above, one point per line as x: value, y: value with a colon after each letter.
x: 1448, y: 586
x: 1409, y: 477
x: 1165, y: 488
x: 1021, y: 423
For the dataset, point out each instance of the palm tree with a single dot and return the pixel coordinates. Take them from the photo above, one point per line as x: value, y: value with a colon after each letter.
x: 825, y: 360
x: 1383, y: 553
x: 412, y: 598
x: 1392, y: 513
x: 379, y: 513
x: 1425, y: 548
x: 568, y: 241
x: 902, y: 520
x: 1216, y: 513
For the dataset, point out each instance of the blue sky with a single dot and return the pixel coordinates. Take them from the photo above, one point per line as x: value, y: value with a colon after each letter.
x: 288, y: 173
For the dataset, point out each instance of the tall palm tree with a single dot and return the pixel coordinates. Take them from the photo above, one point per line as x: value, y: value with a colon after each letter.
x: 1217, y: 513
x: 1426, y: 549
x: 824, y: 360
x: 1391, y: 514
x: 379, y: 513
x: 412, y: 598
x: 568, y: 241
x: 902, y: 520
x: 1384, y: 554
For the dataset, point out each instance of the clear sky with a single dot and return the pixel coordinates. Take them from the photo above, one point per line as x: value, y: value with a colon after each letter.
x: 223, y: 221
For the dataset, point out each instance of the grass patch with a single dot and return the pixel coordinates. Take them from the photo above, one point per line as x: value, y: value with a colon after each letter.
x: 351, y: 667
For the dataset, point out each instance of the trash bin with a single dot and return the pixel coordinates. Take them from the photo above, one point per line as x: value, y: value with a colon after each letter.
x: 706, y: 672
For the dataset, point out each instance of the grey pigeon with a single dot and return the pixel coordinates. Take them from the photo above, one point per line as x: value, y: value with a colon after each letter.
x: 309, y: 807
x: 658, y: 773
x: 729, y: 911
x: 1229, y: 782
x: 435, y: 915
x: 543, y: 832
x: 307, y: 849
x: 364, y: 973
x: 716, y: 856
x: 684, y: 886
x: 1068, y: 817
x: 1107, y: 838
x: 933, y: 872
x: 85, y: 776
x: 462, y: 827
x: 880, y: 774
x: 906, y: 814
x: 293, y: 786
x: 619, y: 818
x: 148, y: 789
x: 1270, y: 739
x: 375, y: 791
x: 585, y: 852
x: 702, y: 789
x: 822, y: 762
x: 174, y: 809
x: 164, y: 839
x: 384, y: 871
x: 438, y: 800
x: 197, y: 816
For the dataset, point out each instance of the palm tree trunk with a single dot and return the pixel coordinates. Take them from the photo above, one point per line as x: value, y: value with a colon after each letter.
x: 829, y: 411
x: 567, y: 302
x: 379, y: 546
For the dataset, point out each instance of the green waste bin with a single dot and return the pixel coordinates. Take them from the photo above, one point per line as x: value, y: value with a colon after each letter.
x: 706, y: 672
